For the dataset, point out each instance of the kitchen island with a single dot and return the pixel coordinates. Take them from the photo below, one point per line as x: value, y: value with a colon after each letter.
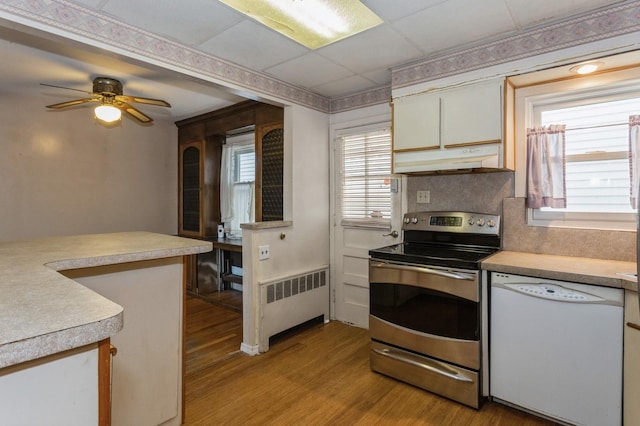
x: 48, y: 319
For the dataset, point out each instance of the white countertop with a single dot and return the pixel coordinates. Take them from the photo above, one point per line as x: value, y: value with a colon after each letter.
x: 608, y: 273
x: 42, y: 312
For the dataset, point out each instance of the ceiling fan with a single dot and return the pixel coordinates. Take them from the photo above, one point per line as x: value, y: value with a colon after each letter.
x: 108, y: 92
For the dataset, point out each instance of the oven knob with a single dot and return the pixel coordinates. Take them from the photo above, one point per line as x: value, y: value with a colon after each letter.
x: 491, y: 223
x: 471, y: 221
x: 407, y: 219
x: 480, y: 222
x: 414, y: 220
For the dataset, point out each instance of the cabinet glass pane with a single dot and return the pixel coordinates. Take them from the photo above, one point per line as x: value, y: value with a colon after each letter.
x: 191, y: 189
x: 272, y: 164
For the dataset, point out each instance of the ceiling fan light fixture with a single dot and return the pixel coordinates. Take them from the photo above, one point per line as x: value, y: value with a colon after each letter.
x: 107, y: 113
x: 312, y: 23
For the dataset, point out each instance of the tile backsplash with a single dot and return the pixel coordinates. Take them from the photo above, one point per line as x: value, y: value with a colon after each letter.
x: 592, y: 243
x: 493, y: 193
x: 472, y: 192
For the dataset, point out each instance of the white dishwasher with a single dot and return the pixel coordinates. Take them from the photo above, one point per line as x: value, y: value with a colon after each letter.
x: 556, y: 348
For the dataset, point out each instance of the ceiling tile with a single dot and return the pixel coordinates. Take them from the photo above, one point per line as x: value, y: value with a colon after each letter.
x: 455, y: 23
x: 309, y: 70
x: 189, y: 21
x: 381, y: 76
x: 253, y: 46
x: 349, y: 85
x: 376, y: 48
x: 392, y: 10
x: 527, y: 13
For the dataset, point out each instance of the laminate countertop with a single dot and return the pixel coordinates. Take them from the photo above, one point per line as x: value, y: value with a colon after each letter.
x: 42, y: 312
x: 608, y: 273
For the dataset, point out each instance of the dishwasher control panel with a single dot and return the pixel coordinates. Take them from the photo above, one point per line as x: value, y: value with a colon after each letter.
x: 561, y: 291
x: 554, y: 292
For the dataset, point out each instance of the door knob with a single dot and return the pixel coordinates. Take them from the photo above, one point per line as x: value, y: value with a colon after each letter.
x: 393, y: 234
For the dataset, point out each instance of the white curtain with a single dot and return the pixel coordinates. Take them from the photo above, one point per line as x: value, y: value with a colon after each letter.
x: 634, y: 157
x: 226, y: 183
x: 546, y: 167
x: 243, y: 206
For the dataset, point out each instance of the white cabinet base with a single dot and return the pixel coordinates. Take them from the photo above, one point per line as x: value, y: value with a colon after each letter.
x: 147, y: 371
x: 60, y: 389
x: 631, y: 360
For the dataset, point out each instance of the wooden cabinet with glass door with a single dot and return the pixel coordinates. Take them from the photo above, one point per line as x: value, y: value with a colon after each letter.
x: 199, y: 181
x: 269, y: 172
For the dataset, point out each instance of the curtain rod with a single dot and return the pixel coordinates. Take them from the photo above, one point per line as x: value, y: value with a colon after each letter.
x: 596, y: 126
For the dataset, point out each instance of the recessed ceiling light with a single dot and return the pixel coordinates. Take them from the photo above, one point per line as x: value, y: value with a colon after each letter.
x: 586, y: 68
x: 312, y: 23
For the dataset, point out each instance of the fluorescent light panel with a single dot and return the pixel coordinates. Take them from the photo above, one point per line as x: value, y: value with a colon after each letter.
x: 312, y: 23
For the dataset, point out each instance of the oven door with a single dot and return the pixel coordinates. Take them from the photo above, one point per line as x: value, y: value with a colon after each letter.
x: 432, y: 311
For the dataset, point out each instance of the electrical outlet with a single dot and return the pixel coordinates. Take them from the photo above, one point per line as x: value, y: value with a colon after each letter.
x: 263, y: 252
x: 423, y: 197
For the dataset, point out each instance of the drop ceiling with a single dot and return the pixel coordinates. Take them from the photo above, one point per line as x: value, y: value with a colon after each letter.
x: 412, y: 30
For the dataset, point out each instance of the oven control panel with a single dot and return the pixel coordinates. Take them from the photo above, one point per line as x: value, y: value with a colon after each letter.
x: 466, y: 222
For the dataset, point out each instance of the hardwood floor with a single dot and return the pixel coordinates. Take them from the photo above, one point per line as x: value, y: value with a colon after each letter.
x: 230, y: 299
x: 319, y: 376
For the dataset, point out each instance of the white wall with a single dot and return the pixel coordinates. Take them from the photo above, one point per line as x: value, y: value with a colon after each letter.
x: 306, y: 242
x: 61, y: 173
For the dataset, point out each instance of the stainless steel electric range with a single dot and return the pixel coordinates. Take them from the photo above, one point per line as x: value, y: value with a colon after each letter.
x: 428, y: 303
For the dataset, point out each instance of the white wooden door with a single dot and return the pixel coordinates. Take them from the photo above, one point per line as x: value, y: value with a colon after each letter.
x: 350, y: 251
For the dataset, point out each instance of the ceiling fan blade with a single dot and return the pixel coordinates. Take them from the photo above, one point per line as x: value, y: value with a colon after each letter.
x: 67, y: 88
x: 72, y: 103
x: 157, y: 102
x: 135, y: 113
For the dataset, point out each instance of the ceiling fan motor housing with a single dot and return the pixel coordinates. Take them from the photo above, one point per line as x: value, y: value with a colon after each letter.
x: 106, y: 85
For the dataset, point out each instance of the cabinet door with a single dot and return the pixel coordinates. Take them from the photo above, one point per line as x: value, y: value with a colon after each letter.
x: 269, y: 173
x: 631, y: 360
x: 472, y: 114
x: 416, y: 122
x: 190, y: 187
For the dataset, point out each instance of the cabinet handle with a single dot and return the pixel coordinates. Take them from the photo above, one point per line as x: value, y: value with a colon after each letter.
x: 113, y: 350
x: 633, y: 325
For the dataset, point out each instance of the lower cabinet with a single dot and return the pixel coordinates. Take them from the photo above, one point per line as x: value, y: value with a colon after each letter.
x: 60, y: 389
x: 147, y: 372
x: 631, y: 359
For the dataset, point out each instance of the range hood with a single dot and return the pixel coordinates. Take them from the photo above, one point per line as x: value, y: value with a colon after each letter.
x: 464, y: 159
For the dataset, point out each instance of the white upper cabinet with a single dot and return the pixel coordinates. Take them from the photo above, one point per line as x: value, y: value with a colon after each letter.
x: 472, y: 114
x: 416, y: 122
x: 450, y: 129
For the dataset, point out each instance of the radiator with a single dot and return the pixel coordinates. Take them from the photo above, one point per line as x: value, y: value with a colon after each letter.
x: 290, y: 301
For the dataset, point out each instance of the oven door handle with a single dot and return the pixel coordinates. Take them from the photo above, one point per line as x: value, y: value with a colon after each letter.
x: 427, y: 364
x: 454, y: 275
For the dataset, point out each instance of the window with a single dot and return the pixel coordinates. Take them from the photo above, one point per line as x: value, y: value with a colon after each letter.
x: 366, y: 179
x: 596, y: 114
x: 237, y: 182
x: 244, y: 161
x: 597, y: 152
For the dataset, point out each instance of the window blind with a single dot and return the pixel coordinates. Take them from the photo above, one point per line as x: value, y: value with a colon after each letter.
x: 245, y: 164
x: 366, y: 177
